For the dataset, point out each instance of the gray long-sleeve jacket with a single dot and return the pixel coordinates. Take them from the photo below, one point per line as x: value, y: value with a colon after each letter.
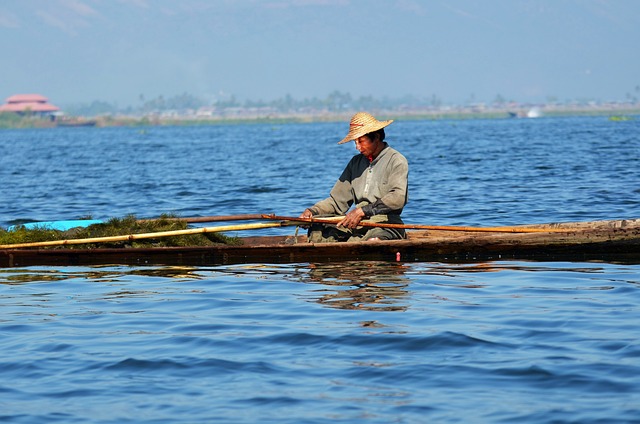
x: 378, y: 187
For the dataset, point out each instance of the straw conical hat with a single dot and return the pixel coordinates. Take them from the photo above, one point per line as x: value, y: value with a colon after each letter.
x: 363, y: 123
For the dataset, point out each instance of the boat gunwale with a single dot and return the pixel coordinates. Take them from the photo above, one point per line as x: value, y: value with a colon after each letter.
x: 599, y: 239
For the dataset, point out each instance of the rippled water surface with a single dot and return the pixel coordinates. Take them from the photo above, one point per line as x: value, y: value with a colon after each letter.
x: 375, y: 342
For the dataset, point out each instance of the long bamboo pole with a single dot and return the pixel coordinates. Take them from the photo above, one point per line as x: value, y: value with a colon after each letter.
x: 196, y: 219
x: 218, y: 218
x: 283, y: 221
x: 141, y: 236
x: 365, y: 223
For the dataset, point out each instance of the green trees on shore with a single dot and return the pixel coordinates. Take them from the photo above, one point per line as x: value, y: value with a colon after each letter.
x: 335, y: 101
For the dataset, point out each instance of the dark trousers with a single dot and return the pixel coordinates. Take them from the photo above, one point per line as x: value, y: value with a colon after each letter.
x: 319, y: 233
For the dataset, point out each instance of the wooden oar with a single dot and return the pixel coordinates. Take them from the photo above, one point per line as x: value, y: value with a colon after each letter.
x: 146, y: 235
x: 219, y: 218
x: 365, y: 223
x: 64, y: 225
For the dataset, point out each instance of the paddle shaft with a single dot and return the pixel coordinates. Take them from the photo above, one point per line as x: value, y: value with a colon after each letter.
x: 65, y: 225
x: 219, y: 218
x: 364, y: 223
x: 146, y: 235
x: 284, y: 221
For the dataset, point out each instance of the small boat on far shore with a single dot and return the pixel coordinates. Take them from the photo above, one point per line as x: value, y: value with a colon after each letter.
x: 76, y: 123
x: 531, y: 113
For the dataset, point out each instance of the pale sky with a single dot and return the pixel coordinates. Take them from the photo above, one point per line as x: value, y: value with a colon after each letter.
x: 78, y: 51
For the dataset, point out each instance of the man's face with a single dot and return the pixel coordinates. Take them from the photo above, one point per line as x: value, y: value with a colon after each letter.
x: 366, y: 145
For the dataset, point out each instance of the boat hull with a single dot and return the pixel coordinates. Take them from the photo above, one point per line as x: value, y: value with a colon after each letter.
x: 611, y: 241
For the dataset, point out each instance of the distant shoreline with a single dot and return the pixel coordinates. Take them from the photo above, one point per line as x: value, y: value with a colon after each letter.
x: 616, y: 112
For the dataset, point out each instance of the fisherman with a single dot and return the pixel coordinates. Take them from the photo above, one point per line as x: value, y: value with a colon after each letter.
x: 374, y: 182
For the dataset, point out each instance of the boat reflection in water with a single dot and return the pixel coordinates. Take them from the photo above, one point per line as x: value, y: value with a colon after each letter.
x: 384, y: 286
x: 380, y: 286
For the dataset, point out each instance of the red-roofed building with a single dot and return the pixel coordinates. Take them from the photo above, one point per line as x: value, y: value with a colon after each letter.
x: 25, y: 103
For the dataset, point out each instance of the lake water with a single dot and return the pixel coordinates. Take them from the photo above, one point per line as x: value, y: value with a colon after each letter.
x: 377, y: 342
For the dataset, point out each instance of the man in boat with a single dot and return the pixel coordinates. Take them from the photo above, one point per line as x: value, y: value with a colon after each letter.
x: 374, y: 182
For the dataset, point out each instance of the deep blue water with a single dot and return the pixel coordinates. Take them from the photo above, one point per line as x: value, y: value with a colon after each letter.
x: 377, y: 342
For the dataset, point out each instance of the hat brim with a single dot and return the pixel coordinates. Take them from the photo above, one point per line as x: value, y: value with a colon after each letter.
x: 364, y: 130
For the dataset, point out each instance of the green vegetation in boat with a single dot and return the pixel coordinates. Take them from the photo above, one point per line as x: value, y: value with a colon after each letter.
x: 117, y: 227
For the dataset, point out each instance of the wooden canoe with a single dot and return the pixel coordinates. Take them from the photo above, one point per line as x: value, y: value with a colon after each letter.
x: 611, y: 241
